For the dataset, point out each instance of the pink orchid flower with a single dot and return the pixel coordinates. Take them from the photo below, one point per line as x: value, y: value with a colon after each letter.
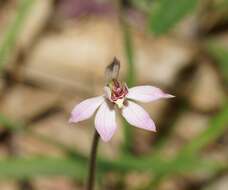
x: 117, y: 93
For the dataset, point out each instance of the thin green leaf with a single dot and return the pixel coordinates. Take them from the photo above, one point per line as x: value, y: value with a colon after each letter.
x: 24, y: 168
x: 220, y: 54
x: 166, y: 13
x: 9, y: 40
x: 18, y: 127
x: 125, y: 164
x: 130, y: 79
x: 8, y: 124
x: 217, y: 127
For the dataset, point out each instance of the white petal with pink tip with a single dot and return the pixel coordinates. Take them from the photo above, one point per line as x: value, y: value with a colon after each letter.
x: 146, y: 93
x: 85, y: 109
x: 137, y: 116
x: 105, y: 121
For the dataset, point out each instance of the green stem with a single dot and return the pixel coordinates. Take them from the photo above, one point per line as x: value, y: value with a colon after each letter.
x: 92, y: 164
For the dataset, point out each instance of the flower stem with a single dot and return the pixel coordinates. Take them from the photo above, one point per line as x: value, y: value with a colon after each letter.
x: 92, y: 163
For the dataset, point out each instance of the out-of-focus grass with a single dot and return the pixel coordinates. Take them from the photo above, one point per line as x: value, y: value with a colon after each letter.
x: 221, y: 5
x: 220, y: 54
x: 26, y: 168
x: 216, y: 128
x: 16, y: 127
x: 130, y: 78
x: 23, y: 168
x: 143, y: 5
x: 9, y: 40
x: 128, y: 44
x: 165, y: 14
x: 190, y: 151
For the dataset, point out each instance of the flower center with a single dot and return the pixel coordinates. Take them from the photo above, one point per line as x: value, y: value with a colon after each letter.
x: 118, y: 92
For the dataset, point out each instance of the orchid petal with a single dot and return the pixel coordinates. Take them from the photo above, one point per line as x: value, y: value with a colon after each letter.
x: 137, y: 116
x: 146, y: 93
x: 85, y: 109
x: 105, y: 121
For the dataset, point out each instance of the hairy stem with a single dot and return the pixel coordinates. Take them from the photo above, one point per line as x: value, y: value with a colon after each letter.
x: 92, y: 163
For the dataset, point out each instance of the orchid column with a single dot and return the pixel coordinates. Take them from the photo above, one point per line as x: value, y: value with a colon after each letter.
x: 117, y: 98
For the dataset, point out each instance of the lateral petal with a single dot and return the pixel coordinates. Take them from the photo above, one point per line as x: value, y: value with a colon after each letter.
x: 147, y: 93
x: 85, y: 109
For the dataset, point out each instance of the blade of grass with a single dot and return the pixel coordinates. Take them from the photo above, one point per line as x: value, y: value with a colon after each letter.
x: 217, y: 127
x: 165, y: 14
x: 221, y: 5
x: 21, y: 168
x: 212, y: 168
x: 143, y: 5
x: 18, y: 127
x: 125, y: 164
x: 128, y: 44
x: 130, y: 79
x: 8, y: 124
x: 24, y: 168
x: 9, y: 40
x: 220, y: 54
